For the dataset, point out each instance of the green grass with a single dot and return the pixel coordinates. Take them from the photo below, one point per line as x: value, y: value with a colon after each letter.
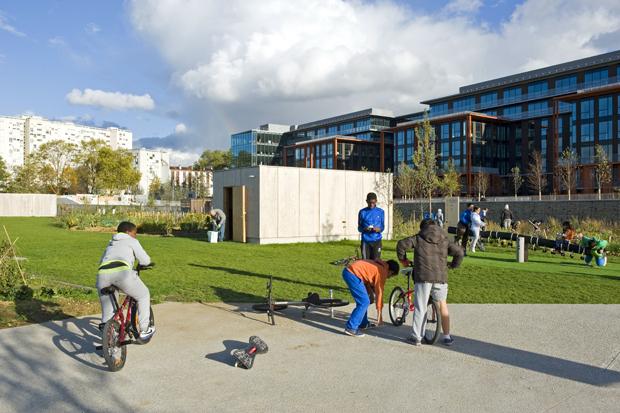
x: 193, y: 270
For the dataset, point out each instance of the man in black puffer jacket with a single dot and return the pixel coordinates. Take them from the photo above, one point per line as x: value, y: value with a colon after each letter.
x: 431, y: 248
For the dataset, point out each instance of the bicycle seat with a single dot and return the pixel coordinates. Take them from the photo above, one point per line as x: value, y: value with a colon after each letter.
x: 109, y: 290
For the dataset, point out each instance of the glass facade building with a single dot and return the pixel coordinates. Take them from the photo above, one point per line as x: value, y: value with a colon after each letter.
x: 256, y: 146
x: 495, y: 125
x: 354, y: 141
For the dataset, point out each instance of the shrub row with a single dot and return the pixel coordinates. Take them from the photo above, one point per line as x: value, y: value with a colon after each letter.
x: 160, y: 223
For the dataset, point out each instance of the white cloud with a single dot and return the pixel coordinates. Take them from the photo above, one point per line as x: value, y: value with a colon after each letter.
x: 110, y: 100
x: 7, y: 27
x: 463, y: 6
x: 292, y: 61
x: 180, y: 158
x: 92, y: 28
x: 180, y: 129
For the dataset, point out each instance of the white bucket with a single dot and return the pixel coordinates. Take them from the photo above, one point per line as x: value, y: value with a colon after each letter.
x: 211, y: 236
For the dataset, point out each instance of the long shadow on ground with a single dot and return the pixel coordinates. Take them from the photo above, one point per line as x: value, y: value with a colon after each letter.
x: 234, y: 271
x: 224, y: 356
x: 541, y: 363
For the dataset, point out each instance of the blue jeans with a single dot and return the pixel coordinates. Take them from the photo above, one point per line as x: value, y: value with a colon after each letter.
x: 220, y: 232
x: 359, y: 316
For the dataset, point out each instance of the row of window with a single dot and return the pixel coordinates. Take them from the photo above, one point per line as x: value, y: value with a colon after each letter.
x: 592, y: 78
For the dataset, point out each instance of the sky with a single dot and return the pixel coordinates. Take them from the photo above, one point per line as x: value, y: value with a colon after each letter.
x: 185, y: 74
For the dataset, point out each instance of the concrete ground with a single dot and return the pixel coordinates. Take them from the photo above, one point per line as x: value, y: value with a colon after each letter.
x: 527, y: 358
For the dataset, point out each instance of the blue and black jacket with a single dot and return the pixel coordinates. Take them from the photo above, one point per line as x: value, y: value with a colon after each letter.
x: 368, y: 217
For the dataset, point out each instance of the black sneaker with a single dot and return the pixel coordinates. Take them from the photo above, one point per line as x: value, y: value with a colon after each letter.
x: 353, y: 333
x: 447, y: 341
x: 412, y: 340
x: 368, y: 326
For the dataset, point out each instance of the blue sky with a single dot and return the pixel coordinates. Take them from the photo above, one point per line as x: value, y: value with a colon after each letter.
x: 213, y: 67
x: 81, y: 44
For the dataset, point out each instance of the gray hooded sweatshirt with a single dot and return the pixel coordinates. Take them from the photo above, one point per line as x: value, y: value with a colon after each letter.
x: 125, y: 248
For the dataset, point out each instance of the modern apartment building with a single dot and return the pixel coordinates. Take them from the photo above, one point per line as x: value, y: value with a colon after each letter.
x: 495, y: 125
x: 21, y: 136
x: 152, y: 164
x: 256, y: 146
x: 354, y: 141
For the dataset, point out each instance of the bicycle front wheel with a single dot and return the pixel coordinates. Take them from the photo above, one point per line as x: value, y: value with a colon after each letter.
x: 398, y: 306
x: 114, y: 353
x: 432, y: 322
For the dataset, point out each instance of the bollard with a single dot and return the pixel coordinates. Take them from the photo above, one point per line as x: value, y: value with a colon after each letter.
x: 521, y: 250
x: 331, y: 297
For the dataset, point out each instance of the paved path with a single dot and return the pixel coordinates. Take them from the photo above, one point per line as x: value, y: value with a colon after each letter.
x: 527, y: 358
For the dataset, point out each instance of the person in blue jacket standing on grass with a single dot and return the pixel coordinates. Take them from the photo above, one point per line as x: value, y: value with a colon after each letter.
x: 370, y: 225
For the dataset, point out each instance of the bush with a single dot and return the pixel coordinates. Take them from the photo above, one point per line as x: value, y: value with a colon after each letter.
x: 10, y: 277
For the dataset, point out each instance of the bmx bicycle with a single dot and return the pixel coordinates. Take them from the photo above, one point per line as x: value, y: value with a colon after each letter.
x: 401, y: 304
x: 122, y: 329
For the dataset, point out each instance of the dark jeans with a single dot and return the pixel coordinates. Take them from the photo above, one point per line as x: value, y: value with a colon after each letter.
x: 371, y: 250
x: 462, y: 234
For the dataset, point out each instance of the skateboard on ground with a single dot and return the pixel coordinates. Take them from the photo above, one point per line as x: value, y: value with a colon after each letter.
x: 245, y: 357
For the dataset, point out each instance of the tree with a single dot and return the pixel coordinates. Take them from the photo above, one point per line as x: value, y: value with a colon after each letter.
x: 481, y: 183
x: 55, y: 161
x: 116, y: 173
x: 156, y: 189
x: 451, y: 183
x: 88, y: 160
x: 214, y: 159
x: 5, y: 177
x: 517, y: 179
x: 566, y: 170
x: 425, y: 162
x: 602, y: 169
x: 536, y: 178
x: 27, y: 179
x: 404, y: 180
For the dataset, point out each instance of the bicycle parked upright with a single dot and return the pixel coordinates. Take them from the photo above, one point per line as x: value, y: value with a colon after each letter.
x: 401, y: 304
x: 123, y: 328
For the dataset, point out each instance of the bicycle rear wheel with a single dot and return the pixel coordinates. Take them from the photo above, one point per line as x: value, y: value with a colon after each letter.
x: 432, y: 322
x: 113, y: 352
x: 398, y: 306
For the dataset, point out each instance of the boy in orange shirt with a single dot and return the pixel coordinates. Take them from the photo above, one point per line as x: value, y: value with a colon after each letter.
x: 357, y: 275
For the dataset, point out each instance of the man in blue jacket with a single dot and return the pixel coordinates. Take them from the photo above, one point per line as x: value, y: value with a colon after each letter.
x: 463, y: 226
x: 370, y: 225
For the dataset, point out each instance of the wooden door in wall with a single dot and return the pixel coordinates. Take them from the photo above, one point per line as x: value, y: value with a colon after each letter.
x: 239, y: 214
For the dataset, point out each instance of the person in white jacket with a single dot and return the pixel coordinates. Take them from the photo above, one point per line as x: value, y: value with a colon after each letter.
x: 476, y: 225
x: 117, y: 268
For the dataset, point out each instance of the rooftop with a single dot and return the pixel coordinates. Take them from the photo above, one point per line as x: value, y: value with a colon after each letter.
x: 553, y: 70
x: 347, y: 116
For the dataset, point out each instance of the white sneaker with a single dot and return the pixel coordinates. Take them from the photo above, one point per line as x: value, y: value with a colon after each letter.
x: 148, y: 334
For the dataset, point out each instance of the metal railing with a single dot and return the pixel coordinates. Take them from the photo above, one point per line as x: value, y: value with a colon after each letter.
x: 607, y: 196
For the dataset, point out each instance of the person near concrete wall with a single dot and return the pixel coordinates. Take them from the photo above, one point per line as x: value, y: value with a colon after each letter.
x: 358, y: 275
x: 476, y: 225
x: 431, y: 248
x: 370, y: 223
x: 507, y: 217
x: 219, y: 218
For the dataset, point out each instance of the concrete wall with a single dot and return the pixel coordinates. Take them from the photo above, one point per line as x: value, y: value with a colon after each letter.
x: 305, y: 205
x: 607, y: 210
x: 27, y: 205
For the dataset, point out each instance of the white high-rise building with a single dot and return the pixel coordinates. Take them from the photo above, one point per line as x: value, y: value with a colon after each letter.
x: 40, y: 130
x: 151, y: 164
x: 12, y: 140
x: 21, y: 136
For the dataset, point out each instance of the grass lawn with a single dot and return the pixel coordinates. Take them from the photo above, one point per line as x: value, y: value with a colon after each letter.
x: 193, y: 270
